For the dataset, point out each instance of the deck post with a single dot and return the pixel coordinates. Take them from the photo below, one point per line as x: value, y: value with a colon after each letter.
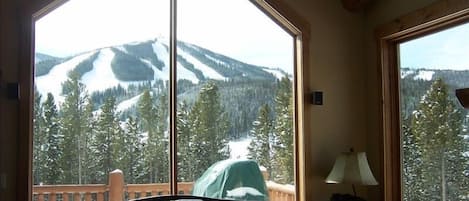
x: 116, y: 185
x: 265, y: 173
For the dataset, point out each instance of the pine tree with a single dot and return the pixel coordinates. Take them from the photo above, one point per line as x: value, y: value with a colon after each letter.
x: 132, y: 152
x: 155, y: 149
x: 185, y: 148
x: 73, y: 122
x: 53, y: 151
x: 209, y: 127
x: 38, y: 140
x: 162, y: 137
x: 259, y: 148
x: 437, y: 125
x: 118, y: 146
x: 147, y: 116
x: 106, y: 143
x: 412, y: 165
x: 283, y: 133
x: 88, y: 127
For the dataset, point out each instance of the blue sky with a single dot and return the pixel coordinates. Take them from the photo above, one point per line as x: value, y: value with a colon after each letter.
x: 447, y: 49
x: 235, y: 28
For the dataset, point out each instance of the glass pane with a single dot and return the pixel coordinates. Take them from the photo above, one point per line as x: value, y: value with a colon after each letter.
x: 235, y: 125
x: 435, y: 143
x: 101, y: 102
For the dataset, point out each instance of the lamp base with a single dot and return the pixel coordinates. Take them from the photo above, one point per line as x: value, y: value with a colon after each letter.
x: 345, y: 197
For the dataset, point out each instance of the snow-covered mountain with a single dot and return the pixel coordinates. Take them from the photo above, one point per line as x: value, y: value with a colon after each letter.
x: 456, y: 78
x: 417, y: 74
x: 139, y: 62
x: 42, y: 57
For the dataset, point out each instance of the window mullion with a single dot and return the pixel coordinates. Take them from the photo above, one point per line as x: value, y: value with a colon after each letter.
x: 173, y: 98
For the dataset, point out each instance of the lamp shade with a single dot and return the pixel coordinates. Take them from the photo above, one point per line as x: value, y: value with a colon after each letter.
x: 351, y: 168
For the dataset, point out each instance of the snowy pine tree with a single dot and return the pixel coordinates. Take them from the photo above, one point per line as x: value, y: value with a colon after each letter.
x: 261, y: 134
x: 132, y: 160
x: 412, y: 165
x: 437, y: 125
x: 155, y: 149
x: 283, y: 133
x: 52, y: 147
x: 209, y: 127
x: 105, y: 144
x: 185, y: 146
x: 39, y: 140
x: 88, y: 127
x: 73, y: 121
x: 162, y: 137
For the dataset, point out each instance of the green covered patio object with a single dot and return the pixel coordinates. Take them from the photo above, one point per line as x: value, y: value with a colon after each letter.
x: 237, y: 179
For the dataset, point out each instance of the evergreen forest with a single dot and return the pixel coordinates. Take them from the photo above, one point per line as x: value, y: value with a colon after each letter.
x: 84, y: 137
x: 435, y: 140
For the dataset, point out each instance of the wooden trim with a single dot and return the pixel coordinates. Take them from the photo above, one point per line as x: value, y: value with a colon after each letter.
x: 435, y: 17
x: 296, y: 26
x: 391, y: 124
x: 25, y: 80
x: 301, y: 139
x: 27, y: 17
x: 424, y: 19
x: 173, y: 98
x: 49, y: 7
x: 284, y: 16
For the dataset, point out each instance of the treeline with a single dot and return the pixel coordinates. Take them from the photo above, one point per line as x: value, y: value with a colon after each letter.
x: 435, y: 143
x: 226, y: 66
x: 272, y: 143
x: 128, y: 67
x: 76, y: 144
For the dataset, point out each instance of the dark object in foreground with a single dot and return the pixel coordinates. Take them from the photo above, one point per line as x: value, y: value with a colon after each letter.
x: 178, y: 197
x: 345, y: 197
x: 463, y: 97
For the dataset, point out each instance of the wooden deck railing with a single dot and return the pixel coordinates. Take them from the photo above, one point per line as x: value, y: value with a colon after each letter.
x: 143, y: 190
x: 117, y: 190
x: 87, y: 192
x: 280, y: 192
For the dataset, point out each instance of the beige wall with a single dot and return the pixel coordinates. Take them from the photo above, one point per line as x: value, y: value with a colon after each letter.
x: 342, y: 65
x: 336, y: 67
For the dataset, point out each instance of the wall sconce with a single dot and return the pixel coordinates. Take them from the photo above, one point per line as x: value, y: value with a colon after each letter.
x: 351, y: 168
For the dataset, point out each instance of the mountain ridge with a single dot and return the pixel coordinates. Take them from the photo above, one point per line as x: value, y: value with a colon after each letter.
x: 137, y: 62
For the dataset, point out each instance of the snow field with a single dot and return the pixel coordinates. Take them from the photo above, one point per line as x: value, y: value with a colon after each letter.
x: 208, y: 72
x: 277, y: 73
x: 101, y: 77
x: 239, y: 148
x: 424, y: 75
x: 182, y: 73
x: 52, y: 81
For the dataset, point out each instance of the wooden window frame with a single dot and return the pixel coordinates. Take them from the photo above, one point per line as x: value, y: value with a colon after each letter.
x: 433, y: 18
x: 277, y: 10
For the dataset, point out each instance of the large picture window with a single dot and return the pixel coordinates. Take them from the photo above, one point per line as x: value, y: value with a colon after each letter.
x: 435, y: 146
x: 153, y: 97
x: 424, y: 126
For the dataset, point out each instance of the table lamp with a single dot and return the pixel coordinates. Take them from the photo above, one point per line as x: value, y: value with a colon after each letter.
x: 351, y: 168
